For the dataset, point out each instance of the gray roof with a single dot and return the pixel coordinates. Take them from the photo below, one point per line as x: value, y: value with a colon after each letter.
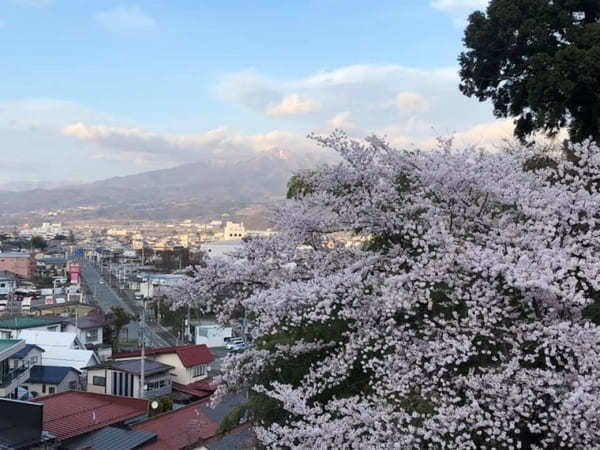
x: 134, y: 366
x: 241, y: 439
x: 111, y: 438
x: 14, y: 255
x: 222, y: 409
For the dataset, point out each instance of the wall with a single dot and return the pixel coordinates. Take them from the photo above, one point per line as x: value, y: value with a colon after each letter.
x: 91, y: 387
x: 20, y: 265
x: 35, y: 357
x: 82, y: 334
x: 62, y: 387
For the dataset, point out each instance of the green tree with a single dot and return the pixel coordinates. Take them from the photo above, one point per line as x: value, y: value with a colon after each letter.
x: 119, y: 318
x: 38, y: 242
x: 537, y: 61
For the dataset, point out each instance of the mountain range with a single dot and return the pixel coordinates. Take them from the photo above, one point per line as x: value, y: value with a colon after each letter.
x: 200, y: 189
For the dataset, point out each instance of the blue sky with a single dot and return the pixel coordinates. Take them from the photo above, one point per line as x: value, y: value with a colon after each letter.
x: 95, y: 89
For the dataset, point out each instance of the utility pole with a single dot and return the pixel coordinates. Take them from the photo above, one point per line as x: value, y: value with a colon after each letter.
x: 142, y: 378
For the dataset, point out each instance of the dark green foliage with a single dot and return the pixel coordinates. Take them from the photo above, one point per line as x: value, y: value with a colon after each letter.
x: 38, y: 242
x: 117, y: 320
x: 298, y: 187
x: 165, y: 404
x: 537, y: 61
x: 235, y: 417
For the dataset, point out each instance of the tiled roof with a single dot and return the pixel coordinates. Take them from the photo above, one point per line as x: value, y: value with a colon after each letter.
x: 17, y: 323
x: 134, y: 366
x: 190, y: 355
x: 202, y: 388
x: 49, y: 374
x: 85, y: 322
x: 239, y: 438
x: 74, y: 413
x: 180, y: 428
x: 111, y: 438
x: 25, y: 351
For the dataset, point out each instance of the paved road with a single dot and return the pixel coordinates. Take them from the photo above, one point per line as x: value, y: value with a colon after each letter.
x: 107, y: 297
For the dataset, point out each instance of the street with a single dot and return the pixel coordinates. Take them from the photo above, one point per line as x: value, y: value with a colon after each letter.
x: 106, y: 297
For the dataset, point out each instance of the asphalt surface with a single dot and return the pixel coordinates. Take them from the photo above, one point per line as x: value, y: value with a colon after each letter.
x: 107, y: 296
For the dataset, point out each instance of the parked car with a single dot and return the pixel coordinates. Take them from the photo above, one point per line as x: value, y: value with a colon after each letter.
x: 236, y: 345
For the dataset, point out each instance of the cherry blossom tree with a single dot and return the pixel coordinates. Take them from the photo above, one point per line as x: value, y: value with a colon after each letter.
x: 456, y: 308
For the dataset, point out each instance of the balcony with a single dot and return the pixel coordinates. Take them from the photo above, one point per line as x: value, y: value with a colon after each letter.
x: 12, y: 379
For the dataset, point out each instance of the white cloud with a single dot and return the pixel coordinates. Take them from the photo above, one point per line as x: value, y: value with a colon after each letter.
x: 341, y: 121
x: 136, y: 144
x: 459, y: 10
x: 123, y: 19
x: 409, y: 102
x: 292, y: 105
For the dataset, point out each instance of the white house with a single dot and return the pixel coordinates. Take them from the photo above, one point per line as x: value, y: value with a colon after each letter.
x: 190, y: 363
x: 89, y: 329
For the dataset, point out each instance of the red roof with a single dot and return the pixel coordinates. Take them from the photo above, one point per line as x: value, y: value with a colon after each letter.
x: 181, y: 428
x: 73, y: 413
x: 190, y: 355
x: 202, y: 388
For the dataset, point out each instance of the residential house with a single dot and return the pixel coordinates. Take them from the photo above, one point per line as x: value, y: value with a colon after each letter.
x: 46, y: 339
x: 11, y: 378
x: 22, y: 264
x: 88, y: 329
x: 123, y: 378
x: 45, y: 380
x: 190, y: 426
x: 28, y: 356
x: 190, y: 362
x: 182, y: 428
x: 61, y: 349
x: 72, y: 414
x: 11, y: 328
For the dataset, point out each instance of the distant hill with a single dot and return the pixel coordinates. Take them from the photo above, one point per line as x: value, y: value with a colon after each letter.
x: 198, y: 189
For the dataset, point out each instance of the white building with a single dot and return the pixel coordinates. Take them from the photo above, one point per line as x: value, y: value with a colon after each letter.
x: 212, y: 335
x: 234, y: 231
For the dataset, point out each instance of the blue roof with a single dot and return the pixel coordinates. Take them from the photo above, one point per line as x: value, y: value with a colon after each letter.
x: 25, y: 351
x: 49, y: 374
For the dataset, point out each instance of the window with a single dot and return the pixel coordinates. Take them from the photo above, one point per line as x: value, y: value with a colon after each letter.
x: 99, y: 381
x: 2, y: 285
x: 54, y: 328
x: 51, y: 390
x: 72, y: 385
x: 198, y: 371
x: 33, y: 360
x: 91, y: 335
x: 43, y: 388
